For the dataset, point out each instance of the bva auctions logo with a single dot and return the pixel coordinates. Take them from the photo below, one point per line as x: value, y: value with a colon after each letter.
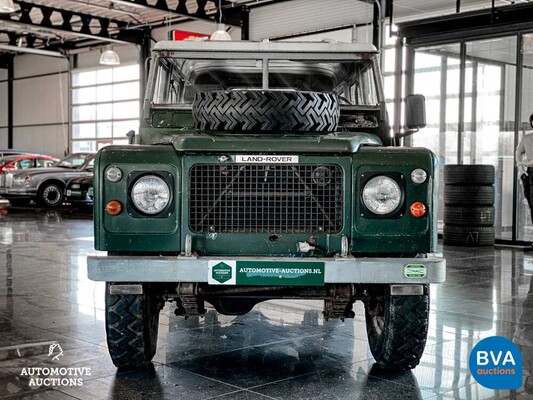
x: 53, y: 347
x: 496, y: 363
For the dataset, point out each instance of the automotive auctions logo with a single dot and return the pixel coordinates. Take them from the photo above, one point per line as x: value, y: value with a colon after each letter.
x: 55, y: 376
x: 52, y: 348
x: 221, y: 272
x: 496, y: 363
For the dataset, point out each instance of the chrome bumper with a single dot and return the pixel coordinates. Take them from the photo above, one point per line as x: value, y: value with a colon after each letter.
x: 22, y: 192
x: 195, y: 269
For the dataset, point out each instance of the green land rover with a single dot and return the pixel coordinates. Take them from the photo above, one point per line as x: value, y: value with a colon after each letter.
x: 267, y: 171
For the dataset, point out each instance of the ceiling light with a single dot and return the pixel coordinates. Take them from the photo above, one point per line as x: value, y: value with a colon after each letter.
x: 128, y: 3
x: 220, y: 33
x: 7, y: 6
x: 109, y: 57
x: 31, y: 50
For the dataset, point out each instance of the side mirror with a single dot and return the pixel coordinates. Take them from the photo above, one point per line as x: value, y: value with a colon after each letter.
x: 131, y: 137
x: 415, y: 111
x: 531, y: 120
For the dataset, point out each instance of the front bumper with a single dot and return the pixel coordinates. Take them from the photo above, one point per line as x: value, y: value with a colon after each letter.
x: 18, y: 192
x: 196, y: 269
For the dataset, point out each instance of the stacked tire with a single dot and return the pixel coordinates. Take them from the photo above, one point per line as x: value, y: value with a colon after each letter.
x: 469, y: 205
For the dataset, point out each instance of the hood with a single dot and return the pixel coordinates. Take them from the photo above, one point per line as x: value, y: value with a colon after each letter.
x: 344, y: 142
x: 84, y: 180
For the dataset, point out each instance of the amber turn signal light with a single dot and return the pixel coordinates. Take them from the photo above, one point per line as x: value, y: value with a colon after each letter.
x: 113, y: 207
x: 418, y: 209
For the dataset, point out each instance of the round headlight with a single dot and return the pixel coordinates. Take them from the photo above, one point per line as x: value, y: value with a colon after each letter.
x: 419, y: 176
x: 382, y: 195
x: 21, y: 179
x: 113, y: 174
x: 150, y: 194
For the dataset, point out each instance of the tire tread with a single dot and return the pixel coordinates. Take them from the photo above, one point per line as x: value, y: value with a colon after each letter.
x: 475, y: 174
x: 469, y: 235
x: 405, y: 333
x: 130, y: 336
x: 471, y: 195
x: 264, y: 110
x: 468, y: 216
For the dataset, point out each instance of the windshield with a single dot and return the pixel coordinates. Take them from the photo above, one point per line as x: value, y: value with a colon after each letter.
x: 178, y: 80
x: 73, y: 161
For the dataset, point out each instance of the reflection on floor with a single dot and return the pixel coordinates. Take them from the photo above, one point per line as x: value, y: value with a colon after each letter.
x: 283, y: 349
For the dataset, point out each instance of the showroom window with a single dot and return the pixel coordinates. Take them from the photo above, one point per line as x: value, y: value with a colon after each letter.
x: 478, y: 103
x: 388, y: 67
x: 105, y: 106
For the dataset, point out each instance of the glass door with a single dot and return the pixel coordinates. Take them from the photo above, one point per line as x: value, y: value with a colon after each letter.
x: 525, y: 225
x: 436, y: 76
x: 489, y: 115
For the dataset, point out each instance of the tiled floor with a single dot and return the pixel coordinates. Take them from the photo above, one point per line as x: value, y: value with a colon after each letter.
x: 282, y: 349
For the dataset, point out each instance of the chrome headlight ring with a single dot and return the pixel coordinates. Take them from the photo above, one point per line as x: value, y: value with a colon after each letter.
x: 150, y: 194
x: 383, y: 196
x: 21, y: 180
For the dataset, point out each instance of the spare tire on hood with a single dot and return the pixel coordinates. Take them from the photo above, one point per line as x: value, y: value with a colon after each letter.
x: 266, y: 110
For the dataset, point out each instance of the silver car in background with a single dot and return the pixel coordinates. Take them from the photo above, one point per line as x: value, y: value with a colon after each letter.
x: 46, y: 186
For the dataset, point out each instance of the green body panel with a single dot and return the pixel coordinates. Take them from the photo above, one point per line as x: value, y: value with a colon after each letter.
x: 171, y: 119
x: 337, y: 143
x: 187, y: 140
x: 125, y: 232
x: 404, y: 234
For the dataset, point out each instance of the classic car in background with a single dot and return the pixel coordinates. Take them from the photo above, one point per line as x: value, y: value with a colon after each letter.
x: 45, y: 185
x: 25, y: 161
x: 79, y: 191
x: 11, y: 152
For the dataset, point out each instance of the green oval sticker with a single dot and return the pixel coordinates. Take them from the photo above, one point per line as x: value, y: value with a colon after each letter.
x: 415, y: 271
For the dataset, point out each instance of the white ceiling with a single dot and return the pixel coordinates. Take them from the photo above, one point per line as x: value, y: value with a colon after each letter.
x: 278, y: 18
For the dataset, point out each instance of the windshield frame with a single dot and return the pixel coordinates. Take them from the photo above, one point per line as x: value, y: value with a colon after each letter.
x: 87, y: 159
x: 265, y: 57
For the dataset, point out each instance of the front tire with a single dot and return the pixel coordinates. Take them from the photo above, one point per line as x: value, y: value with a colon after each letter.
x: 397, y: 328
x: 50, y: 195
x: 131, y: 326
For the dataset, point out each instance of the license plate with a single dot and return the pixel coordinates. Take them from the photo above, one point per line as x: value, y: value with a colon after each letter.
x: 266, y: 273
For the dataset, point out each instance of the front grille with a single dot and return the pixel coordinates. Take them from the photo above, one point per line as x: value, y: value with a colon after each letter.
x: 6, y: 179
x: 237, y: 198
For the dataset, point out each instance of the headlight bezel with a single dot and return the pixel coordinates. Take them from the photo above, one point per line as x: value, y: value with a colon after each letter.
x: 399, y: 211
x: 133, y: 178
x: 21, y: 180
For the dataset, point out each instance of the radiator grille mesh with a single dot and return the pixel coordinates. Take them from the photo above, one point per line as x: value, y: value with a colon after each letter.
x: 241, y: 198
